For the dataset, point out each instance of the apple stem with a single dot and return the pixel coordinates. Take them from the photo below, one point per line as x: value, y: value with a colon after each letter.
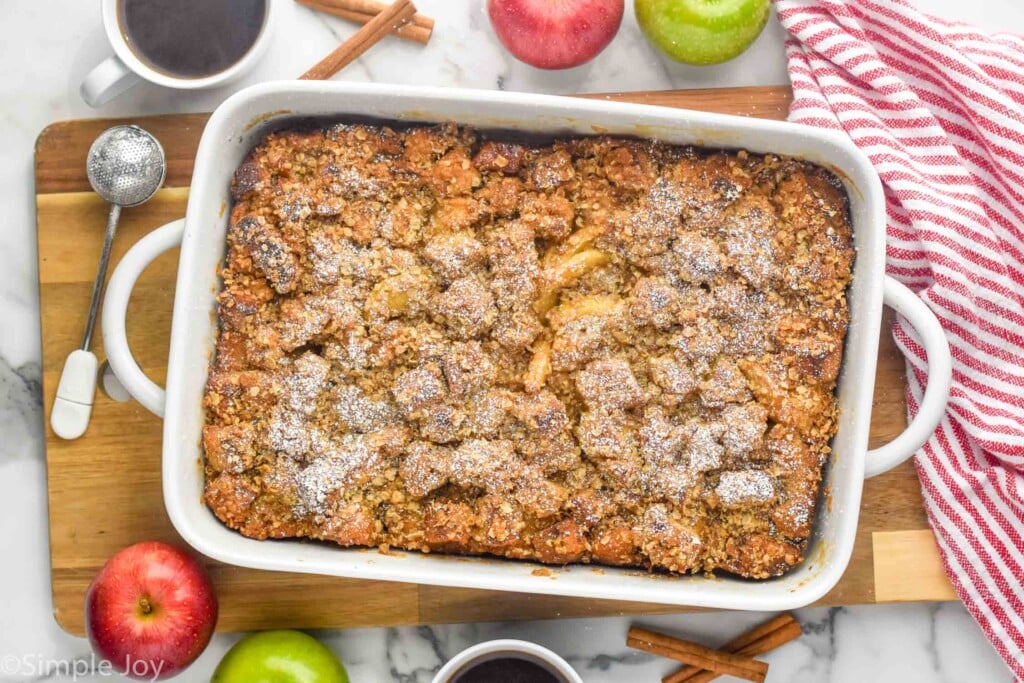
x: 145, y: 606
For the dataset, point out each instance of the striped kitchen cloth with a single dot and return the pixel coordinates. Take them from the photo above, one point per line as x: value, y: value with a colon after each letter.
x: 938, y: 107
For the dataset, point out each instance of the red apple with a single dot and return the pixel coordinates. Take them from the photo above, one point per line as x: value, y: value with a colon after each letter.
x: 150, y: 611
x: 555, y: 34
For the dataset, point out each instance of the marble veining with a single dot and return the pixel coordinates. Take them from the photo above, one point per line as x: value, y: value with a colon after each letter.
x: 21, y: 410
x: 49, y: 46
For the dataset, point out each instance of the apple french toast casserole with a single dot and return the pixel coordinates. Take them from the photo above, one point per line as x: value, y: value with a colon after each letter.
x: 599, y: 350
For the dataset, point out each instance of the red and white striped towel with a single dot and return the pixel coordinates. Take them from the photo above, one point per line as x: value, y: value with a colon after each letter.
x: 938, y: 106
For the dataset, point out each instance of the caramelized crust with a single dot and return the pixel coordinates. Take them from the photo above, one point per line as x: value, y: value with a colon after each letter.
x: 602, y: 350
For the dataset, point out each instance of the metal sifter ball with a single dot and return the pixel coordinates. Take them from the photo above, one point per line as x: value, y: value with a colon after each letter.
x: 126, y: 165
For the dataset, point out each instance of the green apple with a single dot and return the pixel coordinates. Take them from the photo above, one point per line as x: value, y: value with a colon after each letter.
x: 279, y: 657
x: 702, y: 32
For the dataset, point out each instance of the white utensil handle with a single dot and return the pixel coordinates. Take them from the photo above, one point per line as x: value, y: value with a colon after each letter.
x: 936, y: 394
x: 106, y: 81
x: 75, y: 394
x: 115, y: 309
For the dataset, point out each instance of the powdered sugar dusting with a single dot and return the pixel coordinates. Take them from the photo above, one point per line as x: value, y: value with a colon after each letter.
x: 490, y: 465
x: 288, y: 432
x: 610, y: 383
x: 361, y: 414
x: 569, y: 355
x: 744, y: 428
x: 704, y: 452
x: 304, y: 385
x: 335, y: 464
x: 745, y: 487
x: 349, y: 181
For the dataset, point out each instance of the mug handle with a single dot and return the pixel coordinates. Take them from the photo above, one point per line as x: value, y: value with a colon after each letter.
x: 115, y: 309
x: 936, y: 394
x: 106, y: 81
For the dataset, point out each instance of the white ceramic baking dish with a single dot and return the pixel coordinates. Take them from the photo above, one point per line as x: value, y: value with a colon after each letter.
x: 240, y: 122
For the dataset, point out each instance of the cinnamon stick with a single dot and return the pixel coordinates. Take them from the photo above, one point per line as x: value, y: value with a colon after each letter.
x: 381, y: 25
x: 759, y: 640
x: 697, y: 655
x: 766, y: 644
x: 418, y: 29
x: 371, y: 8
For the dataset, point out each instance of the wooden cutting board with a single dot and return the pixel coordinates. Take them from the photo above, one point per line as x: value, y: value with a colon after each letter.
x: 105, y: 490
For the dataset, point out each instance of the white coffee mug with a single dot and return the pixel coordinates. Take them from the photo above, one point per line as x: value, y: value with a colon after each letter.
x: 123, y: 69
x: 507, y: 649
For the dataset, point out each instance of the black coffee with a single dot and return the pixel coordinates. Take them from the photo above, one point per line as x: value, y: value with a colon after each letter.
x: 507, y: 670
x: 191, y: 38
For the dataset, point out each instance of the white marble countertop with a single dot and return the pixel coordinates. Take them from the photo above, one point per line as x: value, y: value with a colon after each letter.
x: 47, y: 49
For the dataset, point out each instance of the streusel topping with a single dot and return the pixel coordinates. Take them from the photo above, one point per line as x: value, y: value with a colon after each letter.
x: 599, y: 350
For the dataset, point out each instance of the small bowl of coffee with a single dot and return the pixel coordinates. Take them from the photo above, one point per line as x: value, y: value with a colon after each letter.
x: 507, y: 661
x: 191, y: 38
x: 184, y: 44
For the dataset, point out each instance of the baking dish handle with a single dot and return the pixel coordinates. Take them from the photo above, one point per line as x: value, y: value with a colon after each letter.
x: 115, y: 309
x: 936, y: 394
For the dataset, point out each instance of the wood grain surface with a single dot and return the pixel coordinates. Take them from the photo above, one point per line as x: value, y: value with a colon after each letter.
x: 908, y: 567
x: 105, y: 490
